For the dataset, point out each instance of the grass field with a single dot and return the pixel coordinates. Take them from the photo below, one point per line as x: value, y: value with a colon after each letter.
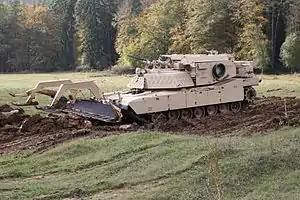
x: 285, y: 85
x: 159, y: 166
x: 150, y: 165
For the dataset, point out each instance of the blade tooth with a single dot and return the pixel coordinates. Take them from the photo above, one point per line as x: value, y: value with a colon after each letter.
x: 103, y: 118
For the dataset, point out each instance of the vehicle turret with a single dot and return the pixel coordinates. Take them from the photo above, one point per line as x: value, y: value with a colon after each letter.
x: 185, y: 71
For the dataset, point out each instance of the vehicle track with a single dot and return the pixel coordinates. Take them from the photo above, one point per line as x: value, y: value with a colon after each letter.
x: 264, y: 114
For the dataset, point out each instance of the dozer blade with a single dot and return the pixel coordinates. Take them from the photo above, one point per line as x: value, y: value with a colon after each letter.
x: 105, y: 112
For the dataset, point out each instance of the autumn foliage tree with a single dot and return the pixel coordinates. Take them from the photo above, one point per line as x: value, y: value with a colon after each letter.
x: 149, y: 34
x: 61, y: 35
x: 252, y: 43
x: 28, y: 38
x: 95, y: 19
x: 64, y: 10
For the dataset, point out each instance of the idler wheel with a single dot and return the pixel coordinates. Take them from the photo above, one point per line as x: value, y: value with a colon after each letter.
x: 236, y: 107
x: 212, y: 110
x: 158, y: 118
x: 174, y: 115
x: 186, y: 114
x: 224, y: 108
x: 199, y: 112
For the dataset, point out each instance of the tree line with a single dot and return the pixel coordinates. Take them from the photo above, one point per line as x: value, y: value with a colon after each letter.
x: 59, y: 35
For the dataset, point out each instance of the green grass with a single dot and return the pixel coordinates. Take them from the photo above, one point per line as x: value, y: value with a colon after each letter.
x: 158, y: 166
x: 283, y: 85
x: 155, y: 165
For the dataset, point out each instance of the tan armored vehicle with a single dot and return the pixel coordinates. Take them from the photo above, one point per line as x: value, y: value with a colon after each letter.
x: 170, y: 88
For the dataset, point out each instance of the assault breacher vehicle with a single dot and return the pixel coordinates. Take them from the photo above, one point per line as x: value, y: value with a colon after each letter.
x: 170, y: 88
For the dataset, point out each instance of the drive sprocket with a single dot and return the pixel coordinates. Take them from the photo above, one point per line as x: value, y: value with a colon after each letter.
x: 250, y: 94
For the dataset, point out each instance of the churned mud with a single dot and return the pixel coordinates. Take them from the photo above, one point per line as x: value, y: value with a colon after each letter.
x: 265, y: 114
x: 19, y: 131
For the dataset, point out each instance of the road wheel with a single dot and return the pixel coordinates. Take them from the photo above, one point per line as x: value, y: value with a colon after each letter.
x: 212, y: 110
x: 236, y: 107
x: 158, y: 118
x: 174, y: 115
x: 186, y: 114
x: 224, y: 108
x: 199, y: 112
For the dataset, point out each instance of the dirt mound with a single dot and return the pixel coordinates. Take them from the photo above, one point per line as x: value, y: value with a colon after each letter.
x: 10, y: 116
x: 20, y: 132
x: 5, y: 108
x: 23, y: 132
x: 38, y: 133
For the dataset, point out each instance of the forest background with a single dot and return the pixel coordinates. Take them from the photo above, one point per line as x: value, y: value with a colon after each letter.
x: 77, y: 35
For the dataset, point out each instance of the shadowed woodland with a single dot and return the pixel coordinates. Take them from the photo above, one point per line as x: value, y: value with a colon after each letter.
x: 55, y: 35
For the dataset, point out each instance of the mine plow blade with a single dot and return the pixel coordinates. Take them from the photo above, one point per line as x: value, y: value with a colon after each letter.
x: 94, y: 108
x: 101, y: 111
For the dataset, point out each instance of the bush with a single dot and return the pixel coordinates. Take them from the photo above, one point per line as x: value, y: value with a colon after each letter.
x: 290, y: 51
x: 121, y: 70
x: 83, y: 68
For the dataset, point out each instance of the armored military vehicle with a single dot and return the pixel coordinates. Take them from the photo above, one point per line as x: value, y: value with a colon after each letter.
x: 170, y: 88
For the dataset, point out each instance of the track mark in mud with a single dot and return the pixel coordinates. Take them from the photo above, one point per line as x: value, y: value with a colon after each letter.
x: 265, y: 114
